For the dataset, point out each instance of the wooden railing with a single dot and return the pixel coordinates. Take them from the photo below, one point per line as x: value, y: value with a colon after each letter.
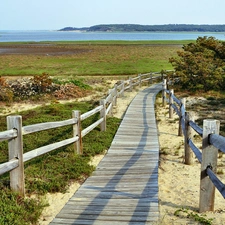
x: 211, y: 142
x: 14, y: 134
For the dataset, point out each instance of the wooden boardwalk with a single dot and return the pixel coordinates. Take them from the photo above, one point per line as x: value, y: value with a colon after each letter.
x: 124, y: 187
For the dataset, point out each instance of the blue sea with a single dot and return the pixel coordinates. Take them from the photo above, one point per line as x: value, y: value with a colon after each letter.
x: 37, y: 36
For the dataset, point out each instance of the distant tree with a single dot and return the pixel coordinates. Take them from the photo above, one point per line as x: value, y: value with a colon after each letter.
x: 201, y: 65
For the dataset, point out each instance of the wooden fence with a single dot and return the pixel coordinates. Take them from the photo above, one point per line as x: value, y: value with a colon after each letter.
x: 211, y: 142
x: 15, y: 131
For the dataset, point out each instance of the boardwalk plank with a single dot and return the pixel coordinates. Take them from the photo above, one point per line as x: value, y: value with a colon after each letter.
x: 124, y: 187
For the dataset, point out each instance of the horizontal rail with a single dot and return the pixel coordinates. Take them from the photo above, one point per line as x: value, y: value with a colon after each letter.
x: 218, y: 141
x: 176, y: 99
x: 217, y: 183
x: 8, y: 134
x: 48, y: 148
x: 46, y: 126
x: 176, y: 109
x: 109, y: 108
x: 91, y: 127
x: 198, y: 129
x: 119, y: 87
x: 8, y: 166
x: 126, y: 88
x: 197, y: 152
x: 135, y: 78
x: 120, y: 92
x: 90, y: 113
x: 146, y: 79
x: 168, y: 91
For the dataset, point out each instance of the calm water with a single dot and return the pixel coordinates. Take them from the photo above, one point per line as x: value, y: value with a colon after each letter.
x: 13, y: 36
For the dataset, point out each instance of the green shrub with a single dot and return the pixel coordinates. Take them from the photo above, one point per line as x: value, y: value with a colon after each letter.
x: 16, y: 210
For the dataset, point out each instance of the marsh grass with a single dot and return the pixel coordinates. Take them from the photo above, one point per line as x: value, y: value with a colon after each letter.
x: 92, y: 58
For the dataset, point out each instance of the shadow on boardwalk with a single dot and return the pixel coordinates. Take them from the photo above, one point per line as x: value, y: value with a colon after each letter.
x: 124, y: 187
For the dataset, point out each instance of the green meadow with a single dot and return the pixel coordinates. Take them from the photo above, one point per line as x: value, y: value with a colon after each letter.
x: 95, y: 58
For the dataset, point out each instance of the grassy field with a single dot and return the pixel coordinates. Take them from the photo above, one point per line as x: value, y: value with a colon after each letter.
x: 99, y: 58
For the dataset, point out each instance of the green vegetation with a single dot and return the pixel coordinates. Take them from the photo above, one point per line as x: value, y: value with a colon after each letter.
x: 196, y: 217
x: 100, y: 58
x: 15, y: 210
x: 148, y: 28
x: 201, y: 65
x: 52, y: 172
x: 41, y: 86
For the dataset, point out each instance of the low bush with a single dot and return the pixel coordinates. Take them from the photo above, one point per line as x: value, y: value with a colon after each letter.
x: 40, y: 86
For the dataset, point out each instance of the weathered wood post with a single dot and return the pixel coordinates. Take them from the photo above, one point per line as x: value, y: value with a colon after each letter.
x: 110, y: 93
x: 209, y: 159
x: 170, y: 104
x: 123, y: 85
x: 150, y: 80
x: 77, y: 132
x: 115, y: 95
x: 139, y: 78
x: 182, y: 105
x: 188, y: 159
x: 15, y: 147
x: 103, y: 115
x: 164, y: 92
x: 131, y: 84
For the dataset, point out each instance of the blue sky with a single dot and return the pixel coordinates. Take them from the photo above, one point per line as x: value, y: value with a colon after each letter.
x: 56, y: 14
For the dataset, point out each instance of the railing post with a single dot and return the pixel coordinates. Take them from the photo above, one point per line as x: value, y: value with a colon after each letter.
x: 164, y: 93
x: 139, y: 78
x: 15, y: 147
x: 110, y: 93
x: 183, y: 103
x: 130, y: 83
x: 115, y: 95
x: 77, y: 132
x: 123, y: 88
x: 150, y: 78
x: 209, y: 159
x: 188, y: 160
x: 103, y: 115
x: 170, y: 104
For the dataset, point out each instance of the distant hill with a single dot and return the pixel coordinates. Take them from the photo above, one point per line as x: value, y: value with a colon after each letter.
x: 144, y: 28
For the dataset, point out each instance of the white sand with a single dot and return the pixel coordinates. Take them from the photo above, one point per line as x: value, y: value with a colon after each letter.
x: 179, y: 184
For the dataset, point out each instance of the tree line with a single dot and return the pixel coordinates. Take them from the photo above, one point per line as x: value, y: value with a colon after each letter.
x: 148, y: 28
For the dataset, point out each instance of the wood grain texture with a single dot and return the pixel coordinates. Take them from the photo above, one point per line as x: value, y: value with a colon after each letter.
x: 124, y: 187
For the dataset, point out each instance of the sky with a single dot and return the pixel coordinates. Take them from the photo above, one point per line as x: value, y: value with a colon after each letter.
x: 57, y: 14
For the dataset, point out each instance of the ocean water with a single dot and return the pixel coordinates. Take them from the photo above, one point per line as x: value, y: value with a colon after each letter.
x: 37, y: 36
